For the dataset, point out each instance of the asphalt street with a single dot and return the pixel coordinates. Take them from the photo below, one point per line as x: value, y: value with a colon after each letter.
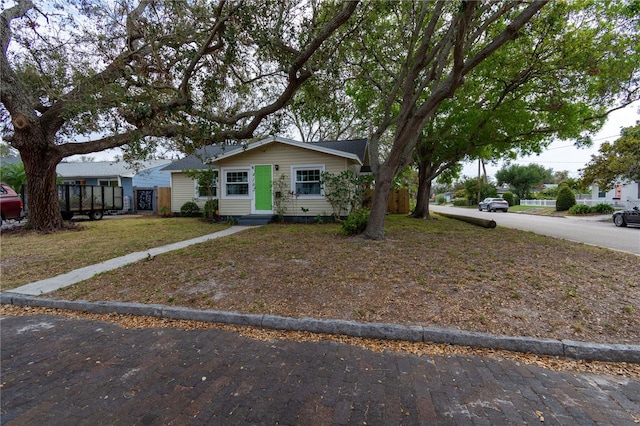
x: 599, y: 231
x: 60, y: 371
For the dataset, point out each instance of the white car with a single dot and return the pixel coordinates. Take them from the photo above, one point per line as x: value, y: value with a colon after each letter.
x: 493, y: 204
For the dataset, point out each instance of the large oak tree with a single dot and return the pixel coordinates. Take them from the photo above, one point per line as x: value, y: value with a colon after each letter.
x: 410, y: 57
x: 81, y: 77
x: 574, y: 64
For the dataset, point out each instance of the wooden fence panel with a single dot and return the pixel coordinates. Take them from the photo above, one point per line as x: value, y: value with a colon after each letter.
x: 164, y: 200
x: 398, y: 201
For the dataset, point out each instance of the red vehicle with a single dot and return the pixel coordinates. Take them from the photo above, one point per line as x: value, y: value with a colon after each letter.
x: 10, y: 203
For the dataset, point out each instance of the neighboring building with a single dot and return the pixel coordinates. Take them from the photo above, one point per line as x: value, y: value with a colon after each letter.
x: 115, y: 173
x: 624, y: 194
x: 247, y: 173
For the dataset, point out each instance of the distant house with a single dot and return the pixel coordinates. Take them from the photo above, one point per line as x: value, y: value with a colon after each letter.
x: 246, y: 174
x: 115, y: 173
x: 9, y: 160
x: 624, y: 194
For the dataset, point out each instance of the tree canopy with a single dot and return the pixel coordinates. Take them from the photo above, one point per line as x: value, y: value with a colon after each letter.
x: 406, y: 59
x: 454, y: 79
x: 548, y: 87
x: 615, y: 162
x: 81, y: 77
x: 524, y: 178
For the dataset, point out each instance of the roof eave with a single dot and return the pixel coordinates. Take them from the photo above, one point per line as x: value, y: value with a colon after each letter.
x: 272, y: 139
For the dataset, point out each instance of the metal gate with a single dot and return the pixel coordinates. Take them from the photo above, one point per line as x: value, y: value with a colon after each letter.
x: 145, y: 199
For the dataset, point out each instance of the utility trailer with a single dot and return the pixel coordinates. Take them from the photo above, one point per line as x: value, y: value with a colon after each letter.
x: 91, y: 200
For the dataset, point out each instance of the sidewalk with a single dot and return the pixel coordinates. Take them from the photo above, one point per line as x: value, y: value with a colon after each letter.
x: 64, y: 280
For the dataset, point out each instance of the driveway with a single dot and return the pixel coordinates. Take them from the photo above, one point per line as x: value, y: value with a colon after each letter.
x: 598, y: 231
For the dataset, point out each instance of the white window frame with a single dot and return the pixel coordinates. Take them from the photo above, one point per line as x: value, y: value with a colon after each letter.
x: 298, y: 167
x: 224, y: 183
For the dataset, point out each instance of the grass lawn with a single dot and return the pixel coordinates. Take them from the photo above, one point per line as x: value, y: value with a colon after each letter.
x: 530, y: 208
x: 442, y: 273
x: 30, y: 256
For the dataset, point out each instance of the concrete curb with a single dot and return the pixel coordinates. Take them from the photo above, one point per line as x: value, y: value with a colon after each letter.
x: 565, y: 348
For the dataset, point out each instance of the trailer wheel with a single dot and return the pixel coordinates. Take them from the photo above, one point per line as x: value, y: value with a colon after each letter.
x: 67, y: 215
x: 96, y: 215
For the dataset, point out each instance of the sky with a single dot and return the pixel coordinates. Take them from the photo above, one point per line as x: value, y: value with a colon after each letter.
x: 562, y: 154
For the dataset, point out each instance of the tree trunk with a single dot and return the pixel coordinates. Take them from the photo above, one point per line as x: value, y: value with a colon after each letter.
x: 40, y: 160
x: 424, y: 190
x: 403, y: 146
x: 375, y: 226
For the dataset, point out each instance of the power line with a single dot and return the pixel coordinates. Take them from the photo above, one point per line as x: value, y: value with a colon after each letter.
x: 593, y: 140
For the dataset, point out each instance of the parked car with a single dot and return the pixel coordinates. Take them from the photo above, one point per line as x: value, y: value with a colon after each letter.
x: 493, y: 204
x: 627, y: 217
x: 10, y: 203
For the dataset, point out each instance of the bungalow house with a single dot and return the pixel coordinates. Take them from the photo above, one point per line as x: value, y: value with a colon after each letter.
x: 115, y: 173
x: 250, y: 176
x: 624, y: 195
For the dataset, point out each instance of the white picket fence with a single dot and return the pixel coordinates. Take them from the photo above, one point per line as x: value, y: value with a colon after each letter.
x: 589, y: 202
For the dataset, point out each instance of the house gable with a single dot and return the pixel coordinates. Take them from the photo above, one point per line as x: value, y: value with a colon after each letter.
x: 345, y: 149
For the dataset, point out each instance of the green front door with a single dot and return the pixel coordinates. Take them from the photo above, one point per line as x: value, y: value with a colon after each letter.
x: 262, y: 199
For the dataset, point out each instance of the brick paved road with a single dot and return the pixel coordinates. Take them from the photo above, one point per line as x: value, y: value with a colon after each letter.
x: 60, y: 371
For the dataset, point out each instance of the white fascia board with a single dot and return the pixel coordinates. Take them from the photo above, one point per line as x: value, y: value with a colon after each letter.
x: 272, y: 139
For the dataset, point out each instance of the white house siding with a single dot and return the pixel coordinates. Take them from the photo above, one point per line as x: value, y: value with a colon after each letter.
x: 285, y: 156
x: 182, y: 190
x: 625, y: 195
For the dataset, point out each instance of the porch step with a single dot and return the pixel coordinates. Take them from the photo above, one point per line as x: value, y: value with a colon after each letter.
x: 255, y: 219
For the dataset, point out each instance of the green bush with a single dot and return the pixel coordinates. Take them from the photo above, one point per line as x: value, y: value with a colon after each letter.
x: 580, y: 209
x: 356, y: 222
x: 210, y: 208
x: 460, y: 202
x: 602, y: 208
x: 190, y: 209
x: 509, y: 197
x: 441, y: 199
x: 566, y: 199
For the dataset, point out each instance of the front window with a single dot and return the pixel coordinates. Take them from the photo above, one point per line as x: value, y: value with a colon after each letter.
x: 307, y: 180
x: 237, y: 183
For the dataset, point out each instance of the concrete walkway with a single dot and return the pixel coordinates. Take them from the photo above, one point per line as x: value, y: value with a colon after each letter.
x: 64, y: 280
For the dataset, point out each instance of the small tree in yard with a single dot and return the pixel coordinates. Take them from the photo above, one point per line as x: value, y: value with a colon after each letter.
x: 282, y: 196
x: 509, y: 197
x: 206, y: 185
x: 566, y: 199
x: 344, y: 191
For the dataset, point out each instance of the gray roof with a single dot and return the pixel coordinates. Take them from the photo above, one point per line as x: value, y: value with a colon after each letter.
x: 353, y: 146
x: 194, y: 161
x: 105, y: 168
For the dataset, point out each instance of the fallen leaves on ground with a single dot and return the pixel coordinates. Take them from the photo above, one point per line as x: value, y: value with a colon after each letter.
x: 377, y: 345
